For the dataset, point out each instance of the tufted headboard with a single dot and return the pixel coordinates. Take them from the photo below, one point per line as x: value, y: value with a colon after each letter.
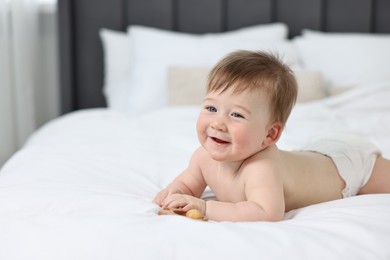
x: 81, y: 56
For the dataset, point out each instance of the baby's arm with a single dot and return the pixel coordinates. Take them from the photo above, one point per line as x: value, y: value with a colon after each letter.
x: 189, y: 182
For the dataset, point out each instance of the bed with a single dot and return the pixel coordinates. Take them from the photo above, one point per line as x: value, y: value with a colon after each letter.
x: 132, y: 74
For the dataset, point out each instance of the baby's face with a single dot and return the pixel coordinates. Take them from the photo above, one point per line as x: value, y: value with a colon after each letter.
x: 232, y: 127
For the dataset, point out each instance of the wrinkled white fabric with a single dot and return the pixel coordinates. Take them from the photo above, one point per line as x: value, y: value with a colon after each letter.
x: 82, y: 188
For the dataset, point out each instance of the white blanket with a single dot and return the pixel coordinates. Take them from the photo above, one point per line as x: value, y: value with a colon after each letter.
x: 81, y: 188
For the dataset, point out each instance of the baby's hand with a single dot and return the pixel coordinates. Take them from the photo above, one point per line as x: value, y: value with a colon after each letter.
x: 163, y: 194
x: 185, y: 202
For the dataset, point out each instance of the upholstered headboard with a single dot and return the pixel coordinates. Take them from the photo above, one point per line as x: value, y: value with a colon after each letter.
x: 81, y: 56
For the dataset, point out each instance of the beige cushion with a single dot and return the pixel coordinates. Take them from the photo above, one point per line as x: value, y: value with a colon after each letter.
x: 336, y: 90
x: 186, y: 85
x: 310, y: 85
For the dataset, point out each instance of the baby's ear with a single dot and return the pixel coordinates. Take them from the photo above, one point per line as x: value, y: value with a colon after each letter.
x: 274, y: 133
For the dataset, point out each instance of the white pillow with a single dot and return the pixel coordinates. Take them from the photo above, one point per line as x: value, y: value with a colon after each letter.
x: 117, y: 63
x: 154, y: 50
x: 346, y: 59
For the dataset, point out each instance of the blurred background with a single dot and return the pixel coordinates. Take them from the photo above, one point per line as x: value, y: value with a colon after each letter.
x: 29, y: 83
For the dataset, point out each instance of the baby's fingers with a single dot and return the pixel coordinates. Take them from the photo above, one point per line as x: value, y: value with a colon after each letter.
x: 160, y: 197
x: 174, y: 201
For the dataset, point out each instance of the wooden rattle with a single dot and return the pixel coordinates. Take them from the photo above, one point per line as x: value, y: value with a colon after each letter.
x: 192, y: 213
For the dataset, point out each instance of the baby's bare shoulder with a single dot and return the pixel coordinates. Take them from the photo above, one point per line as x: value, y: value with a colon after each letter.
x: 263, y: 166
x: 200, y: 154
x: 269, y: 158
x: 201, y: 158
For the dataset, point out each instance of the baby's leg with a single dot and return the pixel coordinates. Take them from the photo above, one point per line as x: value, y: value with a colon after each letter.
x: 379, y: 181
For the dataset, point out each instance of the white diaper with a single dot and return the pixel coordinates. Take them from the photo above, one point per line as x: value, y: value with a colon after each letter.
x: 353, y: 155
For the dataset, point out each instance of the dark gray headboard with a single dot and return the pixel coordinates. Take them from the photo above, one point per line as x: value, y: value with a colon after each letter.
x: 81, y: 63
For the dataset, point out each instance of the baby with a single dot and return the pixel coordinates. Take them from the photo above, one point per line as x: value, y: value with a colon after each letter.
x: 248, y: 101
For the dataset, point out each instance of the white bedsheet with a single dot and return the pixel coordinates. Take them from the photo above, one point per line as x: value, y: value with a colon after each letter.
x: 82, y: 187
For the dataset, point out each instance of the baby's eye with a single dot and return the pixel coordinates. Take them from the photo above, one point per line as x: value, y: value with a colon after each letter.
x: 211, y: 109
x: 237, y: 115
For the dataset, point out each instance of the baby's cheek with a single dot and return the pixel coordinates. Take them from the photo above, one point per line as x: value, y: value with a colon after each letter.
x: 201, y: 130
x: 242, y: 137
x: 247, y: 142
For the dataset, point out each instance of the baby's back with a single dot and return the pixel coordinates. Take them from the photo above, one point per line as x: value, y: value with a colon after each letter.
x: 309, y: 178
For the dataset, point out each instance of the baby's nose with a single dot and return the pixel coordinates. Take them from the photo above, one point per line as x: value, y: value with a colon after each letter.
x: 219, y: 126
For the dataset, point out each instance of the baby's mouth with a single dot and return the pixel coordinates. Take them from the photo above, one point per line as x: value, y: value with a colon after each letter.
x: 219, y: 140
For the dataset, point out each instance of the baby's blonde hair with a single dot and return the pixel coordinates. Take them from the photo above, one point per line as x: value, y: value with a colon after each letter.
x: 257, y: 70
